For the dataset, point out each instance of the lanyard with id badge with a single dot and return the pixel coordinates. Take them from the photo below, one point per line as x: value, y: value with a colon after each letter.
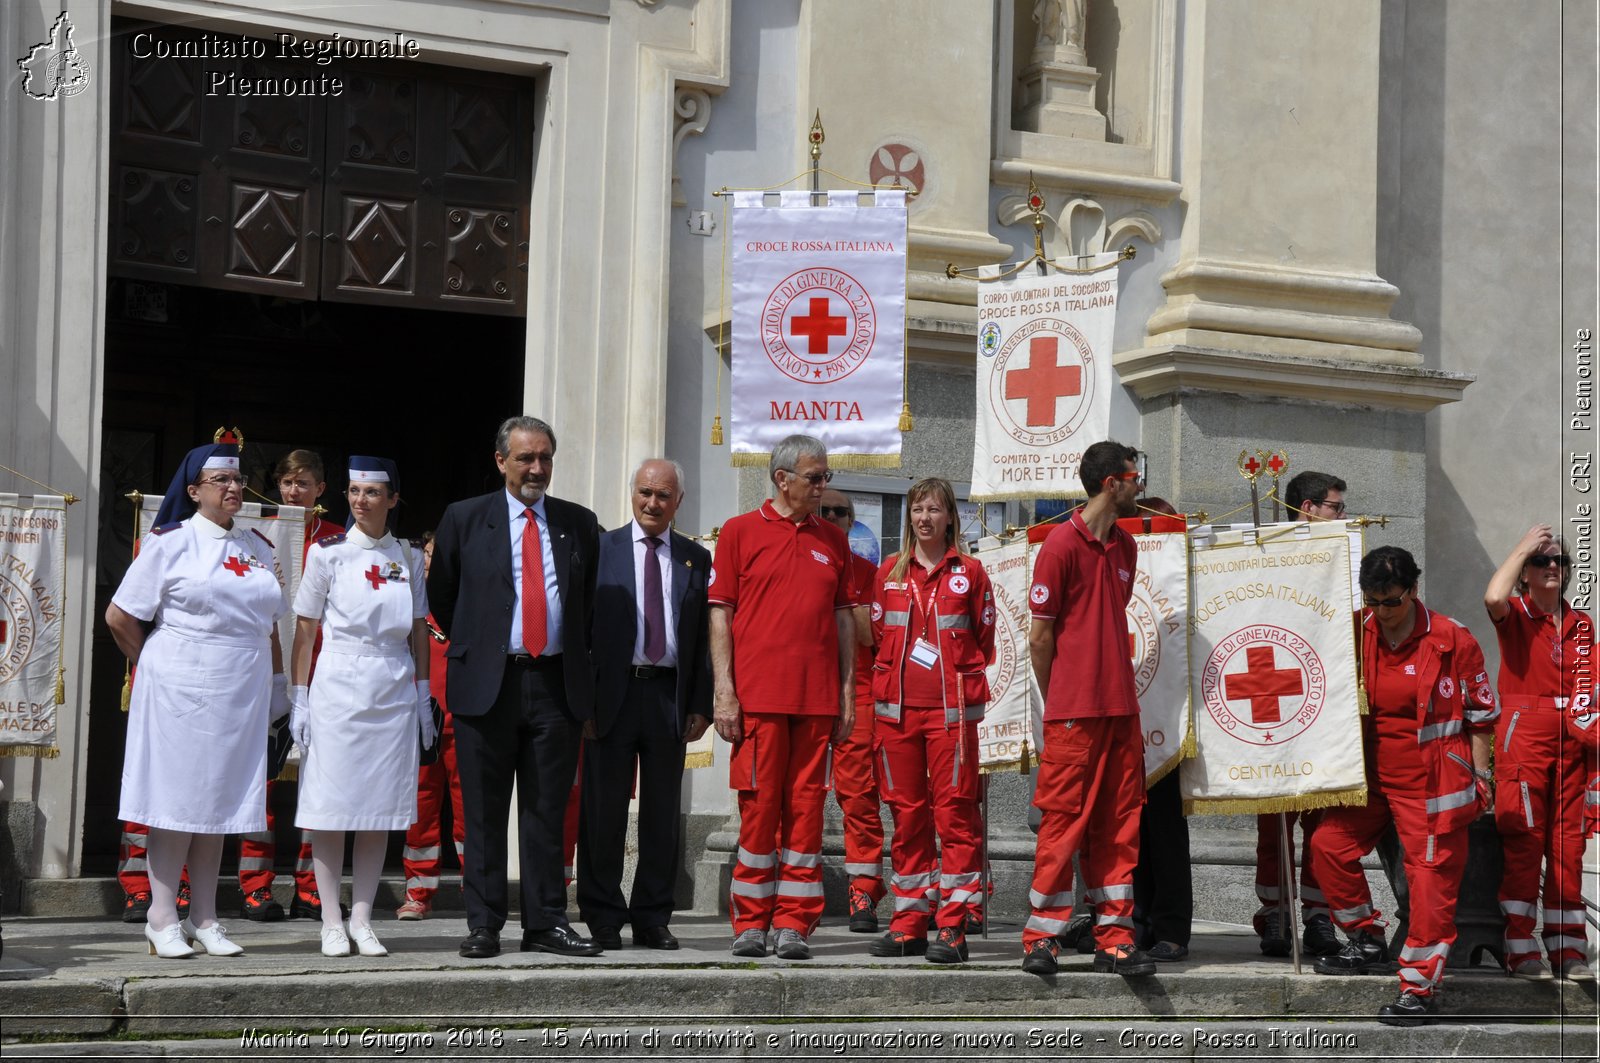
x: 923, y: 652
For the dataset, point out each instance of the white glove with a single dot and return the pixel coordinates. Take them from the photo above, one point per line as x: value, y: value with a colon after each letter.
x: 280, y: 697
x: 300, y: 716
x: 425, y: 713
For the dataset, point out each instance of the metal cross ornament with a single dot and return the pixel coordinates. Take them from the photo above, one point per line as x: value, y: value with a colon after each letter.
x: 1250, y: 467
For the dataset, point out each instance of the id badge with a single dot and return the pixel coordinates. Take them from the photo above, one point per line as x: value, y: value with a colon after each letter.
x: 924, y: 653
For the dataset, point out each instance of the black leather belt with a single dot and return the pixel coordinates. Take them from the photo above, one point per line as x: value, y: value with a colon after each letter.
x: 523, y: 660
x: 651, y: 671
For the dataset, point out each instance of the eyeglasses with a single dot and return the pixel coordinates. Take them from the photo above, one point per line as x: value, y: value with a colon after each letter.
x: 835, y: 511
x: 1337, y: 507
x: 813, y: 478
x: 1134, y: 476
x: 1546, y: 560
x: 1382, y: 603
x: 223, y: 482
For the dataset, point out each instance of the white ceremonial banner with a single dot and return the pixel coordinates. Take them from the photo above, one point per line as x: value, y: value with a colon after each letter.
x: 1158, y: 630
x: 1009, y: 735
x: 819, y: 311
x: 287, y: 534
x: 33, y: 568
x: 1273, y: 670
x: 1044, y: 379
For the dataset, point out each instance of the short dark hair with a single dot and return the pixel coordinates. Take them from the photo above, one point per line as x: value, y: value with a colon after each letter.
x: 1388, y: 566
x: 502, y: 438
x: 1103, y: 459
x: 1311, y: 485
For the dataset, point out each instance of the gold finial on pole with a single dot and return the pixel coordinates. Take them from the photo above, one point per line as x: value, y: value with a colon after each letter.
x: 1036, y: 204
x: 816, y: 137
x: 229, y: 435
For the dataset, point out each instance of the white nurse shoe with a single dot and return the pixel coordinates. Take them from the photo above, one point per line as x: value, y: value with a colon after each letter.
x: 212, y: 939
x: 367, y: 942
x: 334, y: 941
x: 169, y: 944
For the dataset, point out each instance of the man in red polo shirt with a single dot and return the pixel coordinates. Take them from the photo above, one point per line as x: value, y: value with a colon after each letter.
x: 782, y: 649
x: 855, y: 779
x: 1091, y: 770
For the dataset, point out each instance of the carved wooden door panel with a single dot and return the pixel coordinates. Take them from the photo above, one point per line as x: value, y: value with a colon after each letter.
x: 410, y: 188
x: 428, y: 189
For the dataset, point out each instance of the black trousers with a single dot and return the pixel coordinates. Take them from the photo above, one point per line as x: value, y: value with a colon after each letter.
x: 528, y: 738
x: 1163, y: 891
x: 645, y: 737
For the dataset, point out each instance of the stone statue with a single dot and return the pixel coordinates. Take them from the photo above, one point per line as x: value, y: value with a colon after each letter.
x: 1061, y: 30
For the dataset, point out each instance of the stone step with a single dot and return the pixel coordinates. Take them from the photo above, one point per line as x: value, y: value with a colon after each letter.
x: 93, y: 980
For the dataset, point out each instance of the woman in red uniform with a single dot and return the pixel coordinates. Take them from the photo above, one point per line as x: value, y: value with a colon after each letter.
x: 1427, y: 747
x: 933, y: 621
x: 1545, y: 659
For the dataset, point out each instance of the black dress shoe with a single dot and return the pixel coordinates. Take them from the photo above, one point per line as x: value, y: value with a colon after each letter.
x: 654, y: 937
x: 480, y: 944
x: 607, y: 937
x: 561, y: 940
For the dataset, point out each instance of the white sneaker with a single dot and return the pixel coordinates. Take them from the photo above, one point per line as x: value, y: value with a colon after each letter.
x: 367, y: 942
x: 1532, y: 970
x: 1576, y: 971
x: 213, y: 939
x: 334, y: 941
x: 169, y: 944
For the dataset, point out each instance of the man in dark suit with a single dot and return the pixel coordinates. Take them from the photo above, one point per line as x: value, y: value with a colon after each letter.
x: 512, y: 587
x: 653, y: 688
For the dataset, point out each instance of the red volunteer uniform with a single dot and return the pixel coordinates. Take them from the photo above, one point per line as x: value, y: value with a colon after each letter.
x: 855, y: 782
x: 423, y: 839
x: 784, y: 582
x: 1091, y: 769
x: 1540, y: 778
x: 927, y: 719
x: 1426, y: 696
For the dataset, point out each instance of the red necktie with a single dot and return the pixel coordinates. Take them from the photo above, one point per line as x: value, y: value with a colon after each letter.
x: 533, y: 605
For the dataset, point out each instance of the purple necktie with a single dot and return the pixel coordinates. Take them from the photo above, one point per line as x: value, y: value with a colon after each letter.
x: 655, y: 623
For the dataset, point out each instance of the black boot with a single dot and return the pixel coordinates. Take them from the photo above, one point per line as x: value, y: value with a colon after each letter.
x: 1364, y: 954
x: 1409, y: 1010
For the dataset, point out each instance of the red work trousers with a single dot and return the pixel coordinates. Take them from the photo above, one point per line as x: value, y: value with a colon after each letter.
x: 258, y: 849
x: 1433, y: 872
x: 133, y: 861
x: 1091, y: 785
x: 778, y: 771
x: 930, y: 781
x: 1539, y: 809
x: 855, y: 787
x: 1269, y: 866
x: 422, y: 851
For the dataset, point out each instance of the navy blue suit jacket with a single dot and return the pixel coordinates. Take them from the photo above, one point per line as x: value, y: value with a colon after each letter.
x: 616, y: 626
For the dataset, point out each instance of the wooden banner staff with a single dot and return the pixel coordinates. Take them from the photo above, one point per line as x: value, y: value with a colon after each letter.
x: 816, y: 136
x: 1036, y: 205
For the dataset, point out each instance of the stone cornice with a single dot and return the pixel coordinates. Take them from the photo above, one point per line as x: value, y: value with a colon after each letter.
x: 1162, y: 370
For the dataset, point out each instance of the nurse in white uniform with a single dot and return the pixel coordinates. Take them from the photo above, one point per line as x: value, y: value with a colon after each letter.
x: 195, y: 613
x: 367, y: 707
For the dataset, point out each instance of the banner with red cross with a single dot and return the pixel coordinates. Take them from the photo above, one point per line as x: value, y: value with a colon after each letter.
x: 1010, y: 734
x: 1044, y: 379
x: 33, y: 569
x: 1273, y: 671
x: 818, y: 311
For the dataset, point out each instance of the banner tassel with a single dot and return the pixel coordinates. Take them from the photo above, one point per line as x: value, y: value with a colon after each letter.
x: 127, y: 691
x: 716, y: 430
x: 906, y: 424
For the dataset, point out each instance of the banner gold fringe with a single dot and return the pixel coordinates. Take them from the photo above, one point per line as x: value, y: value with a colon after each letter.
x: 61, y: 684
x: 126, y: 698
x: 1228, y: 806
x: 698, y: 760
x: 1022, y: 765
x: 290, y: 772
x: 836, y: 461
x: 42, y: 752
x: 1010, y: 496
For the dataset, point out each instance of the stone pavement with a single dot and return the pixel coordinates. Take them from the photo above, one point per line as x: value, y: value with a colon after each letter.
x: 76, y: 987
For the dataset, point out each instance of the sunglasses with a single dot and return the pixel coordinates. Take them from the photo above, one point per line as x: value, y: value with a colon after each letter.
x: 813, y: 478
x: 1382, y: 603
x: 1546, y: 560
x: 835, y: 511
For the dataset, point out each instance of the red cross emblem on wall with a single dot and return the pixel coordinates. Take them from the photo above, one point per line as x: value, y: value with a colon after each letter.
x: 236, y: 565
x: 1263, y: 683
x: 1043, y: 381
x: 818, y: 326
x: 373, y: 577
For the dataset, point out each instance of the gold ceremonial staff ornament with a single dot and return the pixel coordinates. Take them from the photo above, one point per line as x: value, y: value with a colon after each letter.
x: 1036, y: 205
